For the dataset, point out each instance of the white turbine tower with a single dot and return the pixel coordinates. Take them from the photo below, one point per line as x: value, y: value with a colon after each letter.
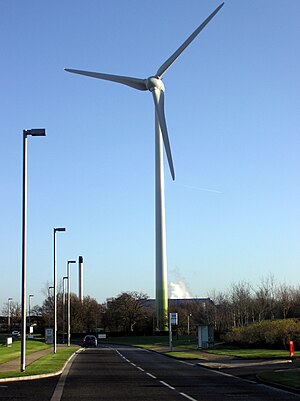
x: 155, y: 85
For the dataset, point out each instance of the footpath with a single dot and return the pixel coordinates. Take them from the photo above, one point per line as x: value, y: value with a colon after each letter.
x: 243, y: 368
x: 14, y: 364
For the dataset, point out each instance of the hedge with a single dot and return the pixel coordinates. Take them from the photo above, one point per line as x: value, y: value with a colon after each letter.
x: 266, y: 333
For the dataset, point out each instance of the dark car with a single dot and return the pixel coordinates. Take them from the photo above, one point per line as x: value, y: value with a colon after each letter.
x: 89, y: 341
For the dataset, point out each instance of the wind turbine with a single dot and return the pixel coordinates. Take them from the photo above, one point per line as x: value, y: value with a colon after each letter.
x: 155, y: 85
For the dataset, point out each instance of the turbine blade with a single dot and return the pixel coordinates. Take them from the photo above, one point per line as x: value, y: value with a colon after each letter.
x: 158, y: 97
x: 135, y: 83
x: 177, y: 53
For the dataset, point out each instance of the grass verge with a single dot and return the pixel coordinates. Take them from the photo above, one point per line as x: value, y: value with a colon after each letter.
x: 252, y: 353
x: 185, y: 355
x: 290, y: 378
x: 14, y: 351
x: 49, y: 363
x: 189, y: 345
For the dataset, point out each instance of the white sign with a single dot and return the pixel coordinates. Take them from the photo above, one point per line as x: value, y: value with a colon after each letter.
x: 101, y: 336
x: 174, y: 319
x: 8, y: 341
x: 49, y: 336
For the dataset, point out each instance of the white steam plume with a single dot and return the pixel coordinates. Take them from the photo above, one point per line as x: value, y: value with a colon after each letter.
x: 179, y: 290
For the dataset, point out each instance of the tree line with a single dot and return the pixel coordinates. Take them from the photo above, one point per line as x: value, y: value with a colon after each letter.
x: 131, y: 313
x: 244, y: 304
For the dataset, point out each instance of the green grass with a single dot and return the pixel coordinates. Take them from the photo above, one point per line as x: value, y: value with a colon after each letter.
x: 252, y: 353
x: 14, y: 351
x: 189, y: 344
x: 184, y: 355
x: 47, y: 364
x: 289, y: 378
x: 153, y: 341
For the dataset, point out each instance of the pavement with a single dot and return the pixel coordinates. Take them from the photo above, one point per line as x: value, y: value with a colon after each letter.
x: 14, y: 364
x: 244, y: 368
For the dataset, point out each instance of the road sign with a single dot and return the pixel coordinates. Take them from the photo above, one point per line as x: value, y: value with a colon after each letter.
x: 174, y: 319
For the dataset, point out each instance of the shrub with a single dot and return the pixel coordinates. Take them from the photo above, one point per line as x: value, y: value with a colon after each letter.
x: 266, y: 333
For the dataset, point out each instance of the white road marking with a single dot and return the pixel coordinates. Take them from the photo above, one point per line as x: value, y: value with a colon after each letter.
x: 187, y: 363
x: 61, y: 382
x: 188, y: 397
x: 154, y: 377
x: 167, y: 385
x: 149, y: 374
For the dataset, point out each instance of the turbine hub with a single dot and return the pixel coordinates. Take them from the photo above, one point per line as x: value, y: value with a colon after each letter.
x: 155, y: 83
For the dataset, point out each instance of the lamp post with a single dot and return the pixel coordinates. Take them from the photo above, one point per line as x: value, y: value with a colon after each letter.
x: 63, y: 308
x: 29, y: 296
x: 57, y: 229
x: 32, y: 132
x: 69, y: 301
x: 8, y: 315
x: 49, y: 311
x: 189, y: 315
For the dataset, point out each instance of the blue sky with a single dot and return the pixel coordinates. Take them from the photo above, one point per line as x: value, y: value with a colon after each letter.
x: 232, y: 107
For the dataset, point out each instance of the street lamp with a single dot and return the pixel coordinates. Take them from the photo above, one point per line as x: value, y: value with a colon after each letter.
x: 29, y: 296
x: 49, y: 309
x: 8, y: 315
x: 63, y: 308
x: 69, y: 301
x: 32, y: 132
x: 189, y: 315
x: 57, y: 229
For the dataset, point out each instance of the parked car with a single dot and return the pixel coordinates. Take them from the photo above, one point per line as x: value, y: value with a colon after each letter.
x: 89, y: 341
x: 15, y: 333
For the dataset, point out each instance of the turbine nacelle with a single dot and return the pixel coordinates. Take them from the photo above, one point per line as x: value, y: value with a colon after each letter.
x: 155, y: 83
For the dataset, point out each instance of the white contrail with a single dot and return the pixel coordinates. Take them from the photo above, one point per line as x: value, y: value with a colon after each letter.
x: 200, y: 189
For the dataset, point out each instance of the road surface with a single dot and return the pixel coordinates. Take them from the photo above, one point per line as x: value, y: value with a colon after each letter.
x: 120, y: 373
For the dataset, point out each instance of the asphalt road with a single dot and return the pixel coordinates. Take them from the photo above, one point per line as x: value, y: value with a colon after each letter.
x: 125, y: 373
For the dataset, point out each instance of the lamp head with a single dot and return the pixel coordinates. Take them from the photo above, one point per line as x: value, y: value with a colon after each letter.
x: 35, y: 132
x: 59, y: 229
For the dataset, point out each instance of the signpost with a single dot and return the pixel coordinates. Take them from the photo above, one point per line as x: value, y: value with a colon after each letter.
x: 49, y: 336
x: 173, y: 321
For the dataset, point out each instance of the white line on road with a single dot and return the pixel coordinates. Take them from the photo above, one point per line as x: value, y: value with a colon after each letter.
x: 188, y: 397
x: 61, y: 382
x: 153, y: 377
x: 167, y: 385
x: 141, y: 369
x: 187, y: 363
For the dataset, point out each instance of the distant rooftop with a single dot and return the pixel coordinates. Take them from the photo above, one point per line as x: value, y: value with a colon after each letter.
x: 178, y: 301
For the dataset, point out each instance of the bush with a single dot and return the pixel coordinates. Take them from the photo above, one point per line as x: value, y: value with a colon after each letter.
x: 267, y: 333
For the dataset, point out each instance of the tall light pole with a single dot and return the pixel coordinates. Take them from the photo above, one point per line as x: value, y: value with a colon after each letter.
x: 55, y: 230
x: 63, y: 307
x: 80, y: 278
x: 8, y: 315
x: 32, y: 132
x: 49, y: 311
x: 189, y: 315
x: 29, y: 296
x: 69, y: 300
